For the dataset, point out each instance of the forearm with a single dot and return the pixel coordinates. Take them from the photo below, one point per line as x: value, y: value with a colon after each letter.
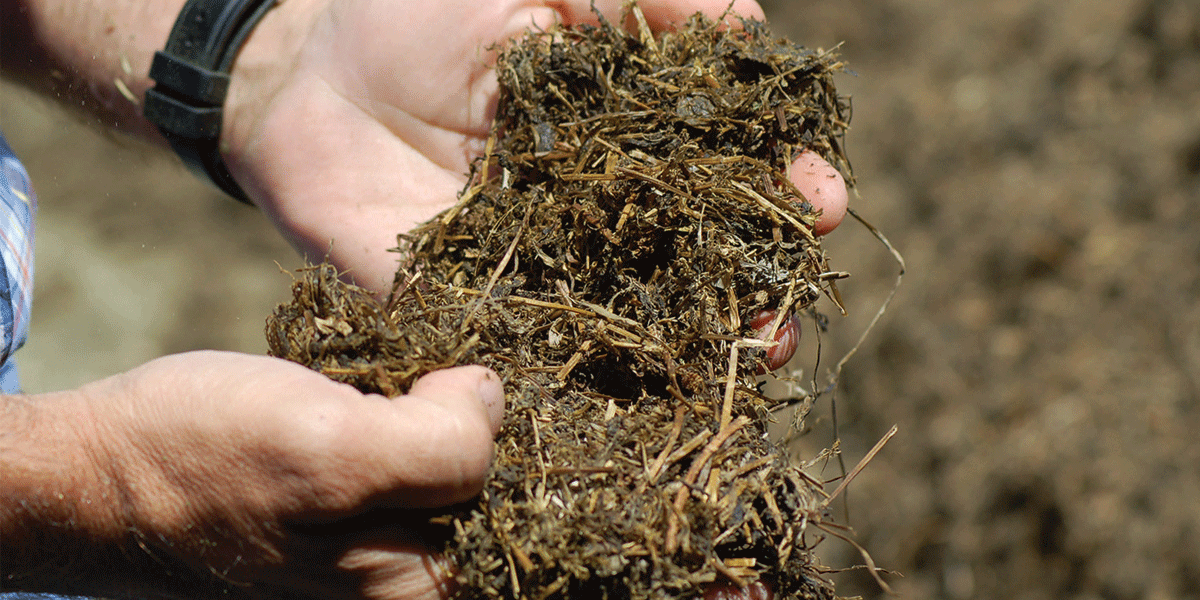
x: 95, y: 55
x: 92, y: 55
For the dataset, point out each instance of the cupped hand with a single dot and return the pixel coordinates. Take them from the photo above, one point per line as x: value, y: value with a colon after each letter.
x: 372, y: 128
x: 268, y: 479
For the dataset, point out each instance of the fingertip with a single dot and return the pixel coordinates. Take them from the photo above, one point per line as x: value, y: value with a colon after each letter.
x: 757, y: 590
x: 454, y: 415
x: 480, y: 384
x: 665, y: 14
x: 660, y: 14
x: 491, y: 392
x: 823, y: 187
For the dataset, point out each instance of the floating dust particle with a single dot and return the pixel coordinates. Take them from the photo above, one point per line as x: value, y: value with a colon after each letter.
x: 630, y: 216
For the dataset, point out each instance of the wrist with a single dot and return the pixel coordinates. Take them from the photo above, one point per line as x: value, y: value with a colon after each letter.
x: 58, y: 504
x: 262, y: 67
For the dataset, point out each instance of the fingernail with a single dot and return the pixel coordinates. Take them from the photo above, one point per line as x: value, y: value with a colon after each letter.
x: 491, y: 392
x: 787, y: 336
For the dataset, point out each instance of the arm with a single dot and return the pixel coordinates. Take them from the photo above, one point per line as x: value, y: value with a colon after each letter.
x: 74, y: 51
x: 49, y: 492
x: 94, y: 56
x: 205, y: 474
x: 347, y: 121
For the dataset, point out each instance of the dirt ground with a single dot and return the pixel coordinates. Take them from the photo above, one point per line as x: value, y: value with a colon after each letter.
x: 1036, y: 161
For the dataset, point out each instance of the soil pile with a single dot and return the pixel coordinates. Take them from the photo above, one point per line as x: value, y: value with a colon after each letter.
x: 631, y: 216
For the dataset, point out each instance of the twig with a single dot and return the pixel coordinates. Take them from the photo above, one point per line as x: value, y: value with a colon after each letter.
x: 673, y: 437
x: 767, y: 204
x: 734, y: 578
x: 650, y: 179
x: 730, y: 382
x: 487, y: 291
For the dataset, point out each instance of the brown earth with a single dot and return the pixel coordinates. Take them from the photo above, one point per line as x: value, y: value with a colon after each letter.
x: 1036, y: 161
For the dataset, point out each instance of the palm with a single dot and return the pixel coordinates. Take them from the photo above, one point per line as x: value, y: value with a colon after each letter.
x: 375, y: 128
x: 386, y: 140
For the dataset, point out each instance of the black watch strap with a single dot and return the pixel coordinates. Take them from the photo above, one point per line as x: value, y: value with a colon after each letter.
x: 191, y: 78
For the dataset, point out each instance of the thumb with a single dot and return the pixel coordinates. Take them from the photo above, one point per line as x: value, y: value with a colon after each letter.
x: 824, y: 187
x: 660, y: 14
x: 352, y: 451
x: 445, y: 426
x: 449, y: 386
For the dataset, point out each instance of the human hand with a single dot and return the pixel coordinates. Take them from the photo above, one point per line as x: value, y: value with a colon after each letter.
x: 219, y: 471
x: 372, y: 128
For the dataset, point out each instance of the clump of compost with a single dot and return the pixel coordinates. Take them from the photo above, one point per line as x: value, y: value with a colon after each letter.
x: 631, y: 215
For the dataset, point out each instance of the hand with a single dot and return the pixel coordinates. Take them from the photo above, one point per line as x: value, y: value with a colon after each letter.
x: 262, y: 476
x: 371, y: 129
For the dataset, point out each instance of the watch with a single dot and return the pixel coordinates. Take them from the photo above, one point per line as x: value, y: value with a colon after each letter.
x: 191, y: 78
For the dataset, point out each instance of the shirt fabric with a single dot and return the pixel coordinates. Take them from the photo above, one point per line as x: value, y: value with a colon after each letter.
x: 18, y: 204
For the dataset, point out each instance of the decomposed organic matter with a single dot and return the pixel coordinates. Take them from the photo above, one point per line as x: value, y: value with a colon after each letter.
x: 611, y: 257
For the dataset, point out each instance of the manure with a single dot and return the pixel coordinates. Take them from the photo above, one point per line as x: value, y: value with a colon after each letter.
x: 631, y: 214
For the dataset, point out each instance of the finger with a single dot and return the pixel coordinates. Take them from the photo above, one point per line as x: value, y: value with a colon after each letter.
x: 755, y: 591
x: 354, y: 451
x: 445, y: 427
x: 660, y: 14
x: 431, y: 447
x: 823, y: 187
x: 786, y: 337
x: 436, y: 385
x: 388, y: 569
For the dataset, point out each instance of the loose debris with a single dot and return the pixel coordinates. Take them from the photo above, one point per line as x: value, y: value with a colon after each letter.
x: 632, y: 213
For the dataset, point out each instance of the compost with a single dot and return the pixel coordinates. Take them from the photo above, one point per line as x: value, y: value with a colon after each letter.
x: 631, y: 215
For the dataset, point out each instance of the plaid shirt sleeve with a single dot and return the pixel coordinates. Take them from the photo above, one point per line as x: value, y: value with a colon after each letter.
x: 18, y: 204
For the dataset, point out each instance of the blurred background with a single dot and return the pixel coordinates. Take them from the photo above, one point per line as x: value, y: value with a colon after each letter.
x: 1037, y: 162
x: 135, y: 258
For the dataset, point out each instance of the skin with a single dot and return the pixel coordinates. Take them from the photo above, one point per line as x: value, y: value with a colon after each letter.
x: 220, y: 474
x: 397, y: 128
x: 786, y: 337
x: 223, y: 463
